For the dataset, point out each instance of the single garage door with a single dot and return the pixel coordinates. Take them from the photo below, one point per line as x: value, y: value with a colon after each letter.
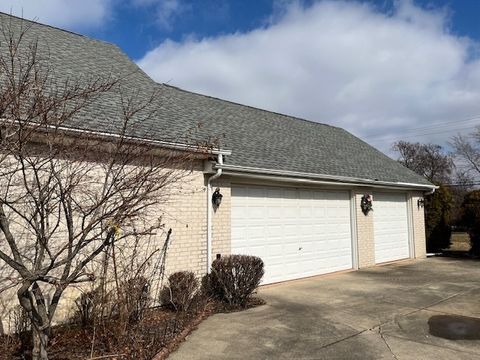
x: 296, y: 232
x: 390, y: 227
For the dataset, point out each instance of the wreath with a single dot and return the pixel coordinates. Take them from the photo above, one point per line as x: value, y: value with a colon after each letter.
x: 366, y: 203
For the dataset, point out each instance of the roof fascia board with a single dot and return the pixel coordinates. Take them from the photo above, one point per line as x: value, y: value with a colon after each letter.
x: 143, y: 141
x: 292, y: 176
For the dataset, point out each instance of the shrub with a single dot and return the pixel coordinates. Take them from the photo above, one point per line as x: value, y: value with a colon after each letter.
x: 134, y: 296
x: 234, y: 279
x: 181, y: 292
x: 87, y: 303
x: 437, y: 219
x: 21, y: 321
x: 471, y: 219
x: 21, y: 327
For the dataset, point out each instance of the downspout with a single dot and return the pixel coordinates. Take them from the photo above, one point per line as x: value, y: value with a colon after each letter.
x: 210, y: 212
x: 430, y: 192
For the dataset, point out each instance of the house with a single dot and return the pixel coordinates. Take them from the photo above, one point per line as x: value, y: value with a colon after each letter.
x: 292, y: 189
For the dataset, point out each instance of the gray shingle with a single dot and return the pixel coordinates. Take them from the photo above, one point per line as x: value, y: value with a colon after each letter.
x: 256, y: 137
x: 274, y: 141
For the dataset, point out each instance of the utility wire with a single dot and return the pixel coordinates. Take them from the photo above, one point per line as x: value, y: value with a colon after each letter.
x: 403, y: 136
x: 433, y: 125
x: 465, y: 185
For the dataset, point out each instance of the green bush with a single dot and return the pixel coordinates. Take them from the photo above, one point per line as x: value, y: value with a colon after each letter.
x: 182, y: 291
x: 437, y: 219
x: 234, y: 279
x: 471, y: 219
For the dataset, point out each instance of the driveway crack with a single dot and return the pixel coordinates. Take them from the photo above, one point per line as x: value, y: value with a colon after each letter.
x: 395, y: 321
x: 380, y: 332
x: 417, y: 341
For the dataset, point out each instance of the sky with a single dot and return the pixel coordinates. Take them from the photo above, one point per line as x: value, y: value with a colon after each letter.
x: 385, y: 70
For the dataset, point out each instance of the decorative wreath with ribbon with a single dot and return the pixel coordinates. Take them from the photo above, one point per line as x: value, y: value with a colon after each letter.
x: 366, y: 203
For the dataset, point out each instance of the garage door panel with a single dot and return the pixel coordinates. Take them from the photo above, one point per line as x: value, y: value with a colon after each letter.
x: 390, y: 227
x: 305, y: 232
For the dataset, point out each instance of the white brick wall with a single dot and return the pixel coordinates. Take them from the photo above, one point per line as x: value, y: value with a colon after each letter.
x: 186, y: 214
x: 221, y: 229
x: 419, y: 235
x: 366, y: 244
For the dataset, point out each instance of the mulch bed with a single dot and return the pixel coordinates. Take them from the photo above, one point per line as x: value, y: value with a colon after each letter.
x: 159, y: 333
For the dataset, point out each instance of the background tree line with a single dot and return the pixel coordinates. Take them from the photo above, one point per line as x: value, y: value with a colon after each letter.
x: 456, y: 203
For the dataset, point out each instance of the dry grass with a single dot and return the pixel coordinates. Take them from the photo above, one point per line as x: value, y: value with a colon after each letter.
x: 460, y: 242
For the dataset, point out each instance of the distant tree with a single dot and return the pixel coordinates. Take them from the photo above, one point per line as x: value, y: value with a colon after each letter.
x: 467, y: 152
x: 471, y: 219
x: 427, y: 160
x: 438, y: 218
x: 431, y: 162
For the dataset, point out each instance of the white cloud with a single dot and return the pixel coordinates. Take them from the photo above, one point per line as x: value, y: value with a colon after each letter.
x: 343, y: 63
x: 166, y: 11
x: 62, y: 13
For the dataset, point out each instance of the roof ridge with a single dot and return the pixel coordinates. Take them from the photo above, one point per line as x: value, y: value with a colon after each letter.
x: 251, y: 107
x: 58, y: 28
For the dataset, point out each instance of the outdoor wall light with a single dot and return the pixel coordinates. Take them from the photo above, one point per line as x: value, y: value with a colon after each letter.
x: 421, y: 203
x: 217, y: 197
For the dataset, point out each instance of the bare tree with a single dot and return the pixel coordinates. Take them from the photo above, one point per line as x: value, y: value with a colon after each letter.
x: 65, y: 196
x: 467, y: 151
x: 427, y: 160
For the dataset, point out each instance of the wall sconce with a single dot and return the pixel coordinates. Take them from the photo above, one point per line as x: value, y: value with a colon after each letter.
x: 420, y: 203
x: 217, y: 197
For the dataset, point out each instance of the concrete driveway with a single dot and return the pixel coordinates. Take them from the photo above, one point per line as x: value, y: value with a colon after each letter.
x: 387, y: 312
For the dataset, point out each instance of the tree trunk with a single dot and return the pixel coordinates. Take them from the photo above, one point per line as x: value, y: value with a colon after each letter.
x: 40, y: 341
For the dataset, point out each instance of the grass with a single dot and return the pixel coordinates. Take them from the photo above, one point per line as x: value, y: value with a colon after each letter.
x: 460, y: 241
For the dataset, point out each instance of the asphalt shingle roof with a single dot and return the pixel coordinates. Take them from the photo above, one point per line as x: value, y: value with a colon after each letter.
x: 257, y: 138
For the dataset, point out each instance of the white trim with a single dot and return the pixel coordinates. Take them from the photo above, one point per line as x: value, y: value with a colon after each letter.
x: 319, y: 179
x: 159, y: 143
x: 210, y: 213
x: 354, y: 230
x: 411, y: 232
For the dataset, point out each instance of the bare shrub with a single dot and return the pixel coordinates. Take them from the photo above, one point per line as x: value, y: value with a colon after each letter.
x: 20, y: 320
x: 87, y: 304
x: 234, y: 279
x: 21, y: 328
x: 134, y: 298
x: 181, y: 292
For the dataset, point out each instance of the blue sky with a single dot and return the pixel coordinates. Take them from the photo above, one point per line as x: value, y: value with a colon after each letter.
x: 137, y: 30
x: 384, y: 70
x: 138, y: 26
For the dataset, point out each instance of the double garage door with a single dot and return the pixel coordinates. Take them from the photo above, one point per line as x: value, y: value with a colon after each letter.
x: 297, y: 232
x: 305, y: 232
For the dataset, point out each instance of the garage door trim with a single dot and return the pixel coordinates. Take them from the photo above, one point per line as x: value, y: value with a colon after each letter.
x: 354, y: 230
x: 411, y: 235
x: 346, y: 208
x: 392, y: 226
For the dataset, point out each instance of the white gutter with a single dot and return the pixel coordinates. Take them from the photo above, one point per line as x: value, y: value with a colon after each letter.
x: 309, y: 178
x: 158, y: 143
x: 210, y: 212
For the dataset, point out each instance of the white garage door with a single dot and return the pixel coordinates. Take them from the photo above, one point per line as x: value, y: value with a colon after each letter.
x: 296, y: 232
x: 390, y: 227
